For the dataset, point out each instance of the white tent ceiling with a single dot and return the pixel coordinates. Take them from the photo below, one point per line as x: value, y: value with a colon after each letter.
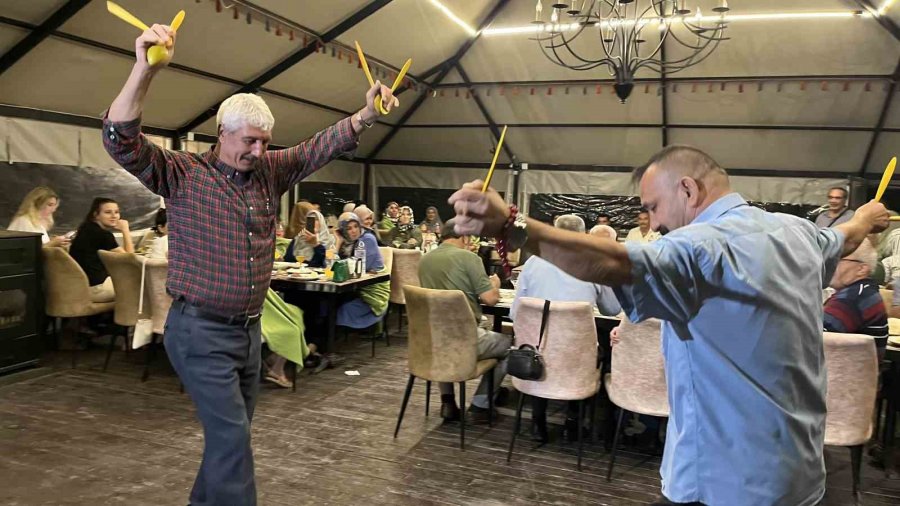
x: 557, y: 123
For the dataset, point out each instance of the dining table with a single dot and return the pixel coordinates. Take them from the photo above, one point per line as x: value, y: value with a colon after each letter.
x: 329, y: 291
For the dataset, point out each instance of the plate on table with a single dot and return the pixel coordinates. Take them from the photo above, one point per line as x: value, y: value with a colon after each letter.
x: 894, y: 326
x: 286, y: 265
x: 305, y: 275
x: 894, y: 341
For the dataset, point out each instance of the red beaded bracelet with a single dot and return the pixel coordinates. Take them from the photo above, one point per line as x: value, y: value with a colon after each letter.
x: 501, y: 242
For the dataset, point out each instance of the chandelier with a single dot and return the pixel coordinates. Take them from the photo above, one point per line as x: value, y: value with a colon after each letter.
x: 619, y: 26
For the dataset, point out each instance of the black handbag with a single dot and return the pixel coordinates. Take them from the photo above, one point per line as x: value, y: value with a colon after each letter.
x: 525, y: 362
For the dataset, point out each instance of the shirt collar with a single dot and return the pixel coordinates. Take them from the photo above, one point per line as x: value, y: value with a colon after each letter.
x: 230, y: 172
x: 720, y: 207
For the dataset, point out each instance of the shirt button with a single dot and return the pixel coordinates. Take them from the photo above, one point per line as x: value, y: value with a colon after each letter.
x: 251, y: 234
x: 111, y: 129
x: 252, y: 287
x: 251, y: 259
x: 251, y: 208
x: 112, y: 137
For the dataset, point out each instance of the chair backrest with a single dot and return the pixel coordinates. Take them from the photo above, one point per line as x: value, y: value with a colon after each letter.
x: 68, y: 293
x: 852, y: 366
x: 405, y: 271
x: 387, y: 255
x: 125, y: 271
x: 384, y: 236
x: 442, y: 336
x: 569, y: 349
x: 159, y: 300
x: 637, y: 381
x: 888, y: 297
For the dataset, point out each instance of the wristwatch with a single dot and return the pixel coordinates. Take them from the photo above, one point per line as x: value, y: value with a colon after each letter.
x: 362, y: 121
x: 517, y: 233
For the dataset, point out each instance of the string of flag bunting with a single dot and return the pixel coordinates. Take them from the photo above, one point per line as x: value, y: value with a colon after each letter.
x: 279, y: 27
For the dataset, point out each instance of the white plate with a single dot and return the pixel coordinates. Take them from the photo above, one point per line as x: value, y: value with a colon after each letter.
x: 307, y: 276
x: 286, y: 265
x: 894, y: 340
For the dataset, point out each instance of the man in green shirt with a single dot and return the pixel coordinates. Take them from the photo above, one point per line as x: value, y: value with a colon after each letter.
x: 453, y: 267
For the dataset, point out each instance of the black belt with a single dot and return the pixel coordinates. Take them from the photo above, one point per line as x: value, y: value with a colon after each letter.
x: 243, y: 320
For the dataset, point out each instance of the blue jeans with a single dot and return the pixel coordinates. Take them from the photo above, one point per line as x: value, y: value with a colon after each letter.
x: 219, y: 367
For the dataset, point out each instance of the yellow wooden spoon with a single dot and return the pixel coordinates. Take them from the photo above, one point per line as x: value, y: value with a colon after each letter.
x: 156, y: 53
x: 487, y: 180
x: 365, y: 65
x: 886, y: 178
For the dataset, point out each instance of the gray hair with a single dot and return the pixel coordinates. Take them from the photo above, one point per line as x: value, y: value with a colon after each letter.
x: 605, y: 228
x: 570, y: 222
x: 866, y: 254
x: 683, y: 160
x: 245, y: 109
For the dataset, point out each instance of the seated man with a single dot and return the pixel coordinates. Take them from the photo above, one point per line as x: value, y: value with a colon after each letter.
x: 543, y: 280
x: 604, y: 231
x: 857, y: 306
x: 453, y: 267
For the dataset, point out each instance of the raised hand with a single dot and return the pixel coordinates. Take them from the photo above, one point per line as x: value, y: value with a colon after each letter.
x: 479, y: 213
x: 161, y: 35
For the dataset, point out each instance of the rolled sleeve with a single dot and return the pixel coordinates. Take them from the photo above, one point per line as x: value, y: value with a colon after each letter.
x: 158, y: 169
x: 664, y: 284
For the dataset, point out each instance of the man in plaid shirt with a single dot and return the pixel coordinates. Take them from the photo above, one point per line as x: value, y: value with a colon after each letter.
x: 222, y: 207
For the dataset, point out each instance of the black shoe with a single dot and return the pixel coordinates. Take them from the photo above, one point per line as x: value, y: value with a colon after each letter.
x: 334, y: 359
x: 539, y: 432
x: 449, y: 412
x: 324, y: 363
x: 478, y: 416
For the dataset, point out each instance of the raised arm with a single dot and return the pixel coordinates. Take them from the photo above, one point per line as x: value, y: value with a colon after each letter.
x: 582, y: 255
x: 155, y: 167
x: 296, y: 163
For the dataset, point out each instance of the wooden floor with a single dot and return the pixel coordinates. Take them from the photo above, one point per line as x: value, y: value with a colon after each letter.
x: 87, y: 437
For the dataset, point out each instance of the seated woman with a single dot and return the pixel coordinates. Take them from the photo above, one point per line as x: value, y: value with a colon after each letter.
x: 370, y: 306
x: 306, y: 246
x: 432, y: 223
x: 283, y: 329
x: 406, y: 234
x: 35, y: 214
x: 159, y: 247
x: 94, y: 234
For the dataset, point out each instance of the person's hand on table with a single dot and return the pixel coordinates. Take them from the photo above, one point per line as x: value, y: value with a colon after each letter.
x: 483, y: 214
x: 59, y: 241
x: 411, y: 242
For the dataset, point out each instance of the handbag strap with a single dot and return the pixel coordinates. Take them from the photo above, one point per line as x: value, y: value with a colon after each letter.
x: 143, y: 275
x: 543, y: 323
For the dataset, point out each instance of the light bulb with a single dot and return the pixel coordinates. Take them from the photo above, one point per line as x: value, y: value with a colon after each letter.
x: 554, y: 18
x: 537, y: 10
x: 699, y: 15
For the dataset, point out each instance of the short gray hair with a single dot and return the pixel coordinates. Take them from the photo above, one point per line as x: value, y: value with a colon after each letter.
x: 866, y: 254
x: 570, y: 222
x: 605, y: 228
x: 245, y: 109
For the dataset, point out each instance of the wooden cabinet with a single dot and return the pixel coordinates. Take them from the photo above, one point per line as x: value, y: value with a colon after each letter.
x: 21, y: 300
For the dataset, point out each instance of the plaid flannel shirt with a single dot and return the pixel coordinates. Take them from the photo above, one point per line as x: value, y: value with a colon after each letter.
x: 221, y: 233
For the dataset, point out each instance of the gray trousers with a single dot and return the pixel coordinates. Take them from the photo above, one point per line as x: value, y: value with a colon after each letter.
x: 490, y: 345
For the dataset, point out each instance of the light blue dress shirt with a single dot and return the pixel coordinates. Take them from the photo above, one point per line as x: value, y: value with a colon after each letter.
x: 541, y: 279
x: 740, y: 290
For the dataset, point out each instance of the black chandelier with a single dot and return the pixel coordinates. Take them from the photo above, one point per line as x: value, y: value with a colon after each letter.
x: 619, y: 26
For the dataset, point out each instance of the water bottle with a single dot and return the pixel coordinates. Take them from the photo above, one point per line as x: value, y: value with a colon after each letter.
x: 360, y: 253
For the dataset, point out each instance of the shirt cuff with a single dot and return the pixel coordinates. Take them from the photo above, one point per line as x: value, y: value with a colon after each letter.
x: 631, y: 297
x: 121, y: 129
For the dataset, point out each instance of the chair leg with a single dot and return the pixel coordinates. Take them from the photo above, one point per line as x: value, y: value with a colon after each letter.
x: 592, y: 405
x: 580, y: 432
x: 294, y: 378
x: 856, y: 461
x: 515, y: 433
x: 409, y: 385
x: 373, y: 343
x: 112, y: 345
x: 490, y: 398
x: 879, y: 407
x: 385, y: 333
x: 612, y: 459
x: 151, y: 354
x: 462, y: 415
x: 77, y: 324
x: 427, y: 396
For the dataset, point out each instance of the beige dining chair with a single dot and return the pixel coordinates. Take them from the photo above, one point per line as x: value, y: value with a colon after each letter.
x: 387, y: 254
x: 125, y: 271
x: 404, y: 272
x: 160, y: 302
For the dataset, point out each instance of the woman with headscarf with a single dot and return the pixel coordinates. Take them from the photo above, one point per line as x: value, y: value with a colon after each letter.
x: 432, y: 223
x: 311, y: 245
x: 391, y: 216
x: 367, y: 217
x: 369, y: 308
x: 406, y: 234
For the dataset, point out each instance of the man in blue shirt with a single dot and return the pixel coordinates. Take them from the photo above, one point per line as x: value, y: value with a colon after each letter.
x: 739, y: 290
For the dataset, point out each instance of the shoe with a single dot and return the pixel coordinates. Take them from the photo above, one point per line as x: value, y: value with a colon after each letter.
x: 324, y: 363
x: 282, y: 381
x: 449, y: 412
x: 539, y: 432
x: 478, y: 416
x: 334, y: 359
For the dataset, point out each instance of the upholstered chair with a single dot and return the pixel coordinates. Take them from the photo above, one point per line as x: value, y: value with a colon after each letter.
x: 404, y: 271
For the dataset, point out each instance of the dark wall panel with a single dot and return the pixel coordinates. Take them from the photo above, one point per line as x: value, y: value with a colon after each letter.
x: 331, y: 197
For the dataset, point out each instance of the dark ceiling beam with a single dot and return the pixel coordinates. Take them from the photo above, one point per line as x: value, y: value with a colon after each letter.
x: 279, y: 68
x: 886, y: 22
x: 670, y: 126
x: 15, y: 111
x: 440, y: 77
x: 487, y: 116
x: 40, y: 33
x: 879, y: 126
x: 711, y: 79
